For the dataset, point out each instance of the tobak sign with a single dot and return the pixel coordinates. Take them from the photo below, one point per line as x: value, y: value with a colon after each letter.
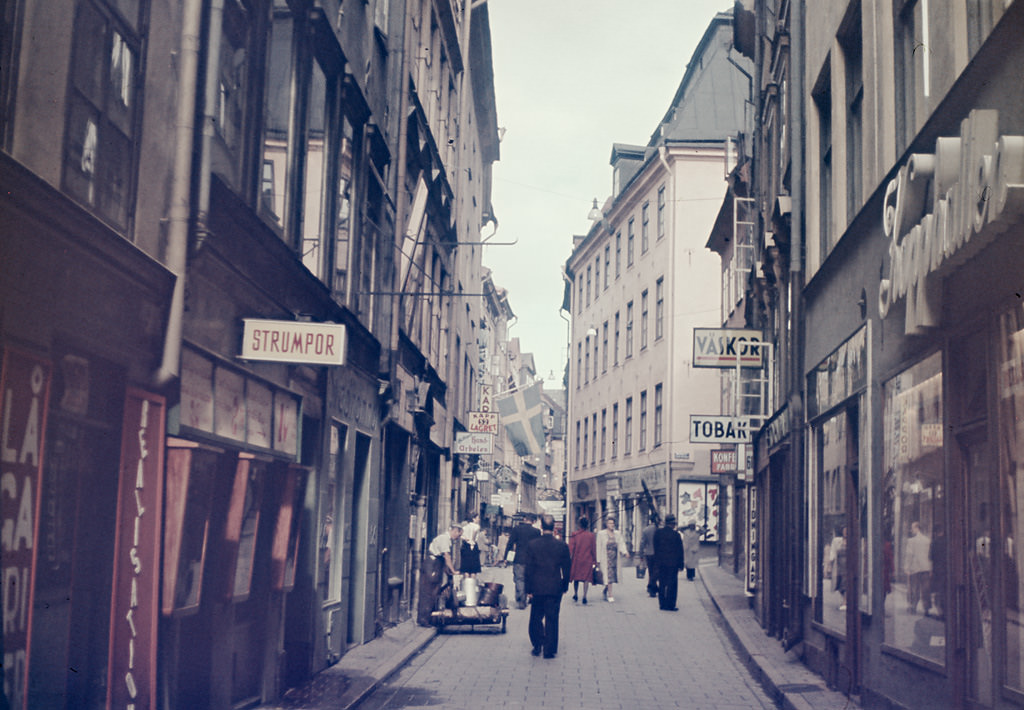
x: 725, y: 347
x: 713, y: 429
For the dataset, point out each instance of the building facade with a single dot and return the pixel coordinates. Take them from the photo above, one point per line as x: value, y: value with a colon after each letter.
x: 639, y: 282
x: 902, y: 163
x: 240, y: 240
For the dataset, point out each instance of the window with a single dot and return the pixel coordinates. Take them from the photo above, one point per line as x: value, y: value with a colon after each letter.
x: 579, y: 299
x: 850, y: 42
x: 597, y: 277
x: 604, y: 352
x: 586, y: 368
x: 659, y: 308
x: 588, y: 285
x: 642, y: 437
x: 627, y: 447
x: 316, y: 197
x: 661, y: 212
x: 228, y: 146
x: 1010, y: 354
x: 593, y: 440
x: 580, y: 376
x: 911, y: 68
x: 615, y: 430
x: 99, y: 152
x: 615, y: 360
x: 607, y: 263
x: 645, y: 231
x: 657, y: 415
x: 586, y: 441
x: 595, y: 356
x: 577, y: 444
x: 618, y: 254
x: 629, y: 330
x: 629, y: 244
x: 604, y: 432
x: 823, y: 102
x: 643, y: 320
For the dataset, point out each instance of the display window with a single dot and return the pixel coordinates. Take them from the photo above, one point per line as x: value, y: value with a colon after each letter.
x: 1010, y: 394
x: 914, y: 549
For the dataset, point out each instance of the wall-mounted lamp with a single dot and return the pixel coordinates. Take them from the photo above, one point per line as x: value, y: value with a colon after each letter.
x: 591, y: 332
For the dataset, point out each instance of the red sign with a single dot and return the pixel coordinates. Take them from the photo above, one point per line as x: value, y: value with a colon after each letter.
x: 134, y: 606
x: 723, y: 461
x: 25, y: 385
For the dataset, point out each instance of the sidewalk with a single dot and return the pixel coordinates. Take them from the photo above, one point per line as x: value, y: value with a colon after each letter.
x: 791, y: 684
x: 787, y: 679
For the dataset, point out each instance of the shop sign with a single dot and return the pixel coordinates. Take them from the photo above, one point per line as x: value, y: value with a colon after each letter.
x: 483, y: 422
x: 712, y: 429
x: 293, y: 341
x: 25, y: 386
x: 135, y: 610
x: 724, y: 461
x: 840, y: 375
x: 470, y: 442
x: 486, y: 398
x: 726, y: 347
x: 976, y: 186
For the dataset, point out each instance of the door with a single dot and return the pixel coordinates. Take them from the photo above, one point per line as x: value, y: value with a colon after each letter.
x: 976, y: 592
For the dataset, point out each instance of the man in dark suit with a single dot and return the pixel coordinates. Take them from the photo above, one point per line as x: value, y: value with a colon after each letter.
x: 668, y: 560
x: 518, y: 540
x: 547, y: 563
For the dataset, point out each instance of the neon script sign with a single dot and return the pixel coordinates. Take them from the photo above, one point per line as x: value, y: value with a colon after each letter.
x: 976, y: 185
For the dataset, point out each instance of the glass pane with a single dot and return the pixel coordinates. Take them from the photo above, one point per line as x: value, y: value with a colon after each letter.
x: 277, y: 116
x: 914, y: 541
x: 1011, y: 444
x: 832, y: 472
x: 115, y: 161
x: 315, y: 194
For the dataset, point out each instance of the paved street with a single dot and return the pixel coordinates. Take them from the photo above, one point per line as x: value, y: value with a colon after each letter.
x: 627, y: 654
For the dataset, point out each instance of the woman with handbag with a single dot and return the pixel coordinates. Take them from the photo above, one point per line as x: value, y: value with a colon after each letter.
x: 583, y: 551
x: 610, y: 546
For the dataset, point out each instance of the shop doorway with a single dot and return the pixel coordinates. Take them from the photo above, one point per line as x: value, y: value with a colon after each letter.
x: 977, y: 589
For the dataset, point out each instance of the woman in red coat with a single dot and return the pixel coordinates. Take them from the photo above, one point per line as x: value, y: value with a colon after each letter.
x: 583, y: 550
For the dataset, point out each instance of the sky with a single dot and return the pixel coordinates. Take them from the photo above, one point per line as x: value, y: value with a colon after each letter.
x: 572, y: 77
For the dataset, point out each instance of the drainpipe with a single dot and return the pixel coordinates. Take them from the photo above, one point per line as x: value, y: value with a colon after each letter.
x: 670, y: 376
x: 178, y: 218
x: 216, y: 25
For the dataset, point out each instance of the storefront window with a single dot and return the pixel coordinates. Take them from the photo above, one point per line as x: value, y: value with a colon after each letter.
x: 913, y: 502
x: 832, y: 449
x: 1011, y: 444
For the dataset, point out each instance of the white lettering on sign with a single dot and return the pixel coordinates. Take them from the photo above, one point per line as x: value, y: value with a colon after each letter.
x: 977, y: 186
x: 724, y: 347
x: 711, y: 429
x: 294, y: 341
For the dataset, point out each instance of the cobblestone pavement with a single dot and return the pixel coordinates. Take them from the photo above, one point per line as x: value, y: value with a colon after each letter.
x: 624, y: 654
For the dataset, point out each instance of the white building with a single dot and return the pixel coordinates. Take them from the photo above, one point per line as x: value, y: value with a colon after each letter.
x: 640, y: 281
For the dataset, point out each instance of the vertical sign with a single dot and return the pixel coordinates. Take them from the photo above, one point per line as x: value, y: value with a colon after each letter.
x: 134, y: 611
x: 25, y: 385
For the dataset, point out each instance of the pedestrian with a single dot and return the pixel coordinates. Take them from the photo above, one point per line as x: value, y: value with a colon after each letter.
x: 583, y: 551
x: 610, y: 546
x: 691, y: 548
x: 436, y: 562
x: 647, y: 550
x: 668, y: 560
x: 469, y: 558
x: 547, y: 564
x: 917, y: 564
x: 518, y: 539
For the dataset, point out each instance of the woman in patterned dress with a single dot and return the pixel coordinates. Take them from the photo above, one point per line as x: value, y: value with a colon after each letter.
x: 610, y: 546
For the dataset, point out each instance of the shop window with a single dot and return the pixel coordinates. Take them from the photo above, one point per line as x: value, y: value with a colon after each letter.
x: 830, y: 444
x: 98, y: 152
x: 191, y: 472
x: 243, y: 523
x: 913, y: 501
x: 1011, y: 444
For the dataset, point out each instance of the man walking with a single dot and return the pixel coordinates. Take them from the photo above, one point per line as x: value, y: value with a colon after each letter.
x: 547, y: 565
x: 668, y: 560
x: 521, y: 536
x: 436, y: 562
x: 647, y: 550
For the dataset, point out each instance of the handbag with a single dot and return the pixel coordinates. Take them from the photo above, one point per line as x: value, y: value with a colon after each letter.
x: 641, y: 569
x: 598, y: 574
